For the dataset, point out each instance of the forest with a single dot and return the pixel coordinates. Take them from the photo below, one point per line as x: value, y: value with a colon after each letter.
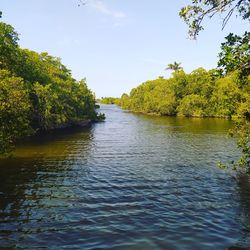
x: 200, y: 93
x: 37, y: 92
x: 222, y: 92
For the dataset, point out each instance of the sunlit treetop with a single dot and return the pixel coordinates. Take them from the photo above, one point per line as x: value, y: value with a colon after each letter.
x: 194, y: 13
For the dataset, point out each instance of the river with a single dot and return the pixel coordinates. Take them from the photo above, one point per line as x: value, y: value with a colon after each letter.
x: 131, y: 182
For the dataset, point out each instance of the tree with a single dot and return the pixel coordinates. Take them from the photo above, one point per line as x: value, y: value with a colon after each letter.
x: 235, y: 54
x: 37, y: 92
x: 174, y: 66
x: 15, y: 110
x: 226, y: 96
x: 242, y: 130
x: 8, y: 46
x: 194, y: 14
x: 192, y: 105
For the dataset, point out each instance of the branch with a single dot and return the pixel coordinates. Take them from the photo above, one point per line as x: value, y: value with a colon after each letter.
x: 229, y: 14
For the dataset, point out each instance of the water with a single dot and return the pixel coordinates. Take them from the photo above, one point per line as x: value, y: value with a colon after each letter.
x: 132, y: 182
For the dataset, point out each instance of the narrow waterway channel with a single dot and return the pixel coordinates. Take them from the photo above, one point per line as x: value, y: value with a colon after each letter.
x: 131, y: 182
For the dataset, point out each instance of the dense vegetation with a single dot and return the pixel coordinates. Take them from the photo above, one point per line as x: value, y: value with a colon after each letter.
x: 108, y: 100
x: 200, y: 93
x: 221, y: 92
x: 37, y: 92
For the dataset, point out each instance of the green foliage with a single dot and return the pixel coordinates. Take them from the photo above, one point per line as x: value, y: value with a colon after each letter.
x: 37, y: 92
x: 200, y: 82
x: 174, y: 66
x: 242, y: 132
x: 199, y: 93
x: 14, y: 110
x: 235, y: 54
x: 124, y: 101
x: 108, y: 100
x: 222, y: 92
x: 235, y: 57
x: 192, y: 105
x: 226, y: 96
x: 194, y: 13
x: 178, y: 84
x: 8, y: 46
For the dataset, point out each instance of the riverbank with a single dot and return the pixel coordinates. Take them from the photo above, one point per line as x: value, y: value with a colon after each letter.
x: 201, y: 93
x: 38, y: 94
x: 173, y: 115
x: 53, y: 131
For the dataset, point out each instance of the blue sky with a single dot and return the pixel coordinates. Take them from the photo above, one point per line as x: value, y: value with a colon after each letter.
x: 116, y: 44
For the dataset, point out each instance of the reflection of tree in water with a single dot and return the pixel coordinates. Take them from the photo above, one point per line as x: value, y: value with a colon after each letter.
x: 244, y: 197
x: 33, y: 189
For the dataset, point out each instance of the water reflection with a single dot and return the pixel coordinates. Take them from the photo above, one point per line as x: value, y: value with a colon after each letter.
x: 189, y: 125
x: 244, y: 213
x: 132, y: 182
x: 34, y: 183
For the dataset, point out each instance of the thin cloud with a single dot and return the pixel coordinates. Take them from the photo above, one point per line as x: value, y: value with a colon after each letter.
x: 104, y: 9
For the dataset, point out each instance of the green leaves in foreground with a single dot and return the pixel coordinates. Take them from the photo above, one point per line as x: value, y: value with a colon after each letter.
x: 195, y: 13
x: 242, y: 132
x: 235, y: 54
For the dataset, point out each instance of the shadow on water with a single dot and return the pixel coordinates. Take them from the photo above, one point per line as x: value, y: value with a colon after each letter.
x: 132, y: 182
x: 33, y: 181
x: 244, y: 214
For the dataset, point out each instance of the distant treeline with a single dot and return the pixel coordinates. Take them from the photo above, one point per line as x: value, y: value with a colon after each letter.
x: 108, y: 100
x: 201, y: 93
x: 37, y: 92
x: 220, y: 92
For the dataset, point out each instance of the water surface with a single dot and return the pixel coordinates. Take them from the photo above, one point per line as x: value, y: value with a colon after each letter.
x: 131, y: 182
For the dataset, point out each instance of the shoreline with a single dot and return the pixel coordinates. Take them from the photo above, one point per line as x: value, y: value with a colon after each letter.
x: 64, y: 128
x: 190, y: 116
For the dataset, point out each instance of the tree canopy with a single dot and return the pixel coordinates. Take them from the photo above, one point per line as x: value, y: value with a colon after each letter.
x: 37, y: 92
x: 194, y: 13
x: 235, y: 54
x: 197, y: 94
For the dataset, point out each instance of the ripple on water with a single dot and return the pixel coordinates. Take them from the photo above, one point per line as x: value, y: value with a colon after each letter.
x: 132, y: 182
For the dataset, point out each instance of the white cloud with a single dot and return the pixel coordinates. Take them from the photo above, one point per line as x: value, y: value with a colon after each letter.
x: 99, y: 6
